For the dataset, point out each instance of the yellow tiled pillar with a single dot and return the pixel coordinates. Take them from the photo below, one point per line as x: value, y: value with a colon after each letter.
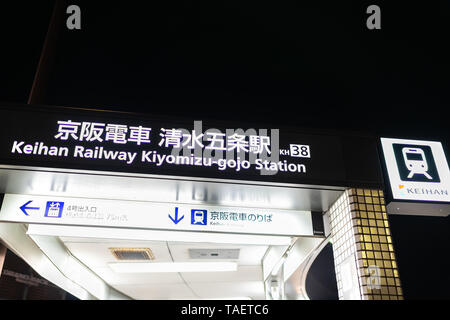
x: 364, y: 257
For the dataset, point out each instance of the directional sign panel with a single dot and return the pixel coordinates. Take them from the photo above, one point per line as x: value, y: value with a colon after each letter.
x: 152, y: 215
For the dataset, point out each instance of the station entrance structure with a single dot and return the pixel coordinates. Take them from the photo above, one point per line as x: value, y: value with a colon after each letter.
x: 97, y: 201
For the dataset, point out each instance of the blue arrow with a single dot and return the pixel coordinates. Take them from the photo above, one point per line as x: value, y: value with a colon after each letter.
x: 176, y: 220
x: 24, y: 208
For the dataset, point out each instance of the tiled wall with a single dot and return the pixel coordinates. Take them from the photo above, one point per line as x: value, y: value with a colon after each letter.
x: 360, y: 232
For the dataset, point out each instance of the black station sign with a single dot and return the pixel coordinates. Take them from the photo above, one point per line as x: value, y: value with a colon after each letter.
x: 67, y: 138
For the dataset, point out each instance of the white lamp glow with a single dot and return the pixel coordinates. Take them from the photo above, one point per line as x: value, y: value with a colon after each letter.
x: 149, y: 267
x: 157, y: 235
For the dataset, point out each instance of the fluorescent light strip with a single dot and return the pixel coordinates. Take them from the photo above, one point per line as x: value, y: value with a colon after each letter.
x: 229, y: 298
x: 151, y: 267
x: 156, y: 235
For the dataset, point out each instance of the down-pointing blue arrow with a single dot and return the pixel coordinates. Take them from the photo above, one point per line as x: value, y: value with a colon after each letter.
x: 176, y: 220
x: 24, y: 208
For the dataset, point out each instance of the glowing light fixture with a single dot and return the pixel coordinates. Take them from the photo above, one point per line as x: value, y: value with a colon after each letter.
x: 151, y: 267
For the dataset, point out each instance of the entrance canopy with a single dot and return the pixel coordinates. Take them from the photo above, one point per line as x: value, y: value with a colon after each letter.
x: 80, y: 187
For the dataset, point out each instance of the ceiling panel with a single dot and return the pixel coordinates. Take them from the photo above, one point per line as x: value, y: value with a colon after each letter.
x: 131, y: 279
x: 219, y: 290
x: 166, y: 291
x: 247, y: 281
x: 98, y: 253
x: 248, y: 254
x: 243, y: 273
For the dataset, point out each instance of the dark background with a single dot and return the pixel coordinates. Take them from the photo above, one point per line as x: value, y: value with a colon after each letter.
x: 283, y: 63
x: 15, y: 286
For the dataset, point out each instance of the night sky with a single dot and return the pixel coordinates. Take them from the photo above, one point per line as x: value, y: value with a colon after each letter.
x: 280, y: 63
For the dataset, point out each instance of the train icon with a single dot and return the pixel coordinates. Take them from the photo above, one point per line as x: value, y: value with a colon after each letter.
x: 416, y: 162
x: 199, y: 217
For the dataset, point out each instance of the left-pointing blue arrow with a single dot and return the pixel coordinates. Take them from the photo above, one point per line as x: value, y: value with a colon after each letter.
x: 24, y: 208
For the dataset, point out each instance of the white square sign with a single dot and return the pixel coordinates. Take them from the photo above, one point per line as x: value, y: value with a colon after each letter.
x: 417, y: 170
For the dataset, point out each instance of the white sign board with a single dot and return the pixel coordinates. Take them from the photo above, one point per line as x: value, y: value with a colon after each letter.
x: 152, y: 215
x: 418, y: 170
